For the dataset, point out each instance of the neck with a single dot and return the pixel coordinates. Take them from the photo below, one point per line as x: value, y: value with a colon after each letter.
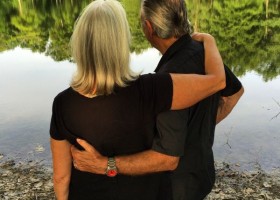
x: 163, y: 44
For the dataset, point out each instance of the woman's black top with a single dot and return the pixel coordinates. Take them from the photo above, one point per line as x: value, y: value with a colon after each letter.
x: 117, y: 124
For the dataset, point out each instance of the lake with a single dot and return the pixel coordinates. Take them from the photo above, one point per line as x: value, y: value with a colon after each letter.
x: 35, y: 65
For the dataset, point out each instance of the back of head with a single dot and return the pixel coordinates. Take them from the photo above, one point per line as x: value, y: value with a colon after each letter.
x: 168, y: 17
x: 100, y: 47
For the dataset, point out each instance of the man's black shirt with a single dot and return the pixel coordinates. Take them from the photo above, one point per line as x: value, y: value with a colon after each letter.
x: 189, y: 133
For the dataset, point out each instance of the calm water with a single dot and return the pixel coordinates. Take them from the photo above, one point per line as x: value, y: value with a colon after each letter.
x: 35, y: 66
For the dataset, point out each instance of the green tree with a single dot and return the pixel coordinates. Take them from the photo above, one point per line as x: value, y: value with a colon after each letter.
x: 246, y: 32
x: 139, y: 42
x: 6, y: 29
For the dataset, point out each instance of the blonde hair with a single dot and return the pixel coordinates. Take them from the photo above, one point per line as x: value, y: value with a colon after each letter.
x: 100, y: 47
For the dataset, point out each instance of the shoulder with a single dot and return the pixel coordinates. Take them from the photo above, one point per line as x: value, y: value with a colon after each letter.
x: 192, y: 47
x: 196, y: 50
x: 233, y: 84
x: 63, y: 94
x: 153, y: 78
x: 146, y: 77
x: 188, y: 59
x: 147, y: 85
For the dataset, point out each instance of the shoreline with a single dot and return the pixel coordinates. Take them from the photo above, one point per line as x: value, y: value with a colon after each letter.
x: 235, y: 184
x: 32, y: 180
x: 25, y: 181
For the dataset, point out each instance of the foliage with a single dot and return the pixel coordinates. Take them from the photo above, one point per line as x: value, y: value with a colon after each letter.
x: 139, y: 43
x: 247, y: 32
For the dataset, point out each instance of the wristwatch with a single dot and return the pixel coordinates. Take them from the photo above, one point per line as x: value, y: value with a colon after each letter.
x: 111, y: 170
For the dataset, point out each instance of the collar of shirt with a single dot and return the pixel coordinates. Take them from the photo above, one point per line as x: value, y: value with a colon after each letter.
x: 184, y: 40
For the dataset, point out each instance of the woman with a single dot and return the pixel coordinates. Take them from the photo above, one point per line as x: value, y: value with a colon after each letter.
x: 112, y: 108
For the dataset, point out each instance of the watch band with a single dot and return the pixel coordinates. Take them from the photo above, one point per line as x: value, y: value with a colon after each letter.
x: 111, y: 162
x: 111, y: 170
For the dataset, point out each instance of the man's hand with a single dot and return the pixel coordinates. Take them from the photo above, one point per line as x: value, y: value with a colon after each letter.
x: 89, y: 160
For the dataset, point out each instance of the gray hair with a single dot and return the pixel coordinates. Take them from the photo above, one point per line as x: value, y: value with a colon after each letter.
x: 100, y: 47
x: 168, y: 17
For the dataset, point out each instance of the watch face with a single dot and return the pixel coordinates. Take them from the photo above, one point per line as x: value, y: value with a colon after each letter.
x: 112, y: 172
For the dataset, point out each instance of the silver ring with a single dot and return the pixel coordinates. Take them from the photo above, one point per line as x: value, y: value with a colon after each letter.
x: 75, y: 165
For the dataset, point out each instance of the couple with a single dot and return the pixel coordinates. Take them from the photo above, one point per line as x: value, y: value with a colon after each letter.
x: 136, y: 148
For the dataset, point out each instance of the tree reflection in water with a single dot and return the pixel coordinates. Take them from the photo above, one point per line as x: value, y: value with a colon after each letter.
x: 247, y: 32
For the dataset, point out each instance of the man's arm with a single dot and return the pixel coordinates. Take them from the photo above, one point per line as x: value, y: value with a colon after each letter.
x: 227, y: 104
x: 90, y: 160
x: 146, y: 162
x: 168, y: 146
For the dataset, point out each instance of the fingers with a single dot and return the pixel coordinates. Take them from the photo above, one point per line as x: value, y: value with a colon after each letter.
x: 194, y: 33
x: 88, y: 149
x: 75, y: 165
x: 73, y: 149
x: 198, y: 37
x: 75, y: 155
x: 89, y: 160
x: 78, y: 165
x: 201, y: 36
x: 85, y: 145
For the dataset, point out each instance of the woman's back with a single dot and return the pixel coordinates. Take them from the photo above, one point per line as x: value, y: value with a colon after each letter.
x: 118, y: 120
x: 117, y: 124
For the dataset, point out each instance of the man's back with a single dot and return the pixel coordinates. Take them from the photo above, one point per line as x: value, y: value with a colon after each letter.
x: 188, y: 133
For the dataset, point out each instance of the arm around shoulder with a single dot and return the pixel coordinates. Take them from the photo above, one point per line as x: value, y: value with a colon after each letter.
x: 189, y: 89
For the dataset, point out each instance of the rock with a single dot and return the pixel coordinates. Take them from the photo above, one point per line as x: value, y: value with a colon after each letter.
x: 37, y: 185
x: 25, y: 181
x: 235, y: 185
x: 39, y: 148
x: 30, y: 180
x: 248, y: 191
x: 265, y: 184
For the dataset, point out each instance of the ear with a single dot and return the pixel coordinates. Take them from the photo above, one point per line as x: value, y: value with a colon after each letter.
x: 149, y: 27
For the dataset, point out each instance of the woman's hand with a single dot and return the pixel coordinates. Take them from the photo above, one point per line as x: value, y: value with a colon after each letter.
x: 201, y: 37
x: 212, y: 54
x: 196, y: 87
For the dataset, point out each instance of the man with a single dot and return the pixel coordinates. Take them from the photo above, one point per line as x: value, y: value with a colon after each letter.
x: 185, y: 138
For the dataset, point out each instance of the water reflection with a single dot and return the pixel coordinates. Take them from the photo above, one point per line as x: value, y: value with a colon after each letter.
x: 247, y: 32
x: 251, y: 134
x: 28, y: 83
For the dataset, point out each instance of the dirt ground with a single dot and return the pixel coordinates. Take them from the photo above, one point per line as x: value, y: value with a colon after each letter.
x: 31, y: 181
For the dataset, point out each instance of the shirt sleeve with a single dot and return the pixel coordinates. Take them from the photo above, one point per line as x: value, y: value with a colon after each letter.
x: 54, y: 126
x: 233, y: 85
x: 157, y: 92
x: 172, y: 132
